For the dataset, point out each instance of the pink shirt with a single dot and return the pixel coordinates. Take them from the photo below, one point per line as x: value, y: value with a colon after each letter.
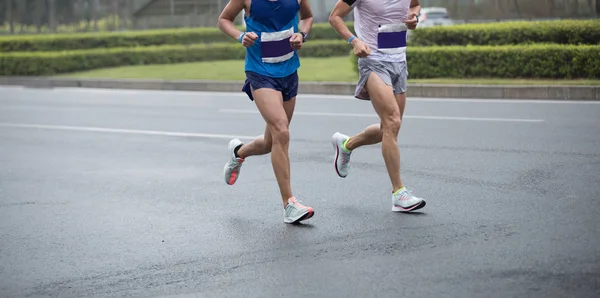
x: 370, y: 14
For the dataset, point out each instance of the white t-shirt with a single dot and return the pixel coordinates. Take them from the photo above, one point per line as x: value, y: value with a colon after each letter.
x: 369, y: 15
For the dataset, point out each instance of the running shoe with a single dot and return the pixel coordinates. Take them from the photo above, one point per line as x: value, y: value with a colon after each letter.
x: 404, y: 201
x: 341, y: 159
x: 295, y: 212
x: 233, y: 166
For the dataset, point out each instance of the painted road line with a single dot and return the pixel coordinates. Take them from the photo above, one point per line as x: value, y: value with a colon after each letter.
x: 413, y: 99
x: 236, y: 111
x: 203, y: 95
x: 125, y: 131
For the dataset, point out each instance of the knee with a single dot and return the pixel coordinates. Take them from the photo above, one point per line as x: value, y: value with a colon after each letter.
x: 391, y: 123
x: 280, y: 133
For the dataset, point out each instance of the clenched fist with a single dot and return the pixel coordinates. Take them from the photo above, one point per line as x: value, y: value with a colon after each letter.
x: 361, y: 49
x: 296, y: 41
x: 249, y: 39
x: 412, y: 21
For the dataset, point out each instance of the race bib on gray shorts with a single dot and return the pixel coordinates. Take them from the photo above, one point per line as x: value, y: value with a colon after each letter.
x: 394, y: 74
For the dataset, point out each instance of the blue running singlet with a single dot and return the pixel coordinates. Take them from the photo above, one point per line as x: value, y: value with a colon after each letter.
x: 274, y: 21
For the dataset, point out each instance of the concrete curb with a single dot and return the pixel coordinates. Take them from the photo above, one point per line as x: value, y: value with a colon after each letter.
x: 336, y: 88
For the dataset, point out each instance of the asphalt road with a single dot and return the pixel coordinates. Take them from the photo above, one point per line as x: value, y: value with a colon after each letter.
x: 107, y: 193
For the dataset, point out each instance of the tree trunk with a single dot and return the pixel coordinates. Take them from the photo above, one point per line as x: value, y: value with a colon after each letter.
x: 94, y: 12
x: 10, y: 16
x: 130, y: 10
x: 593, y: 7
x: 172, y: 14
x: 52, y: 15
x: 517, y: 8
x: 470, y: 8
x: 455, y: 11
x: 39, y: 11
x: 114, y: 11
x: 22, y: 11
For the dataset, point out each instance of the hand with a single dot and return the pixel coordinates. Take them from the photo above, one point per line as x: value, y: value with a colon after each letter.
x: 296, y: 41
x: 361, y: 49
x: 248, y: 39
x: 412, y: 21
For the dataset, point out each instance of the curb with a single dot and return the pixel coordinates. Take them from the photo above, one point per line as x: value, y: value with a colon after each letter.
x: 332, y: 88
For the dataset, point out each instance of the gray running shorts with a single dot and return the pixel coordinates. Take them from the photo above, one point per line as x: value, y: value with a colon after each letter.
x: 394, y: 74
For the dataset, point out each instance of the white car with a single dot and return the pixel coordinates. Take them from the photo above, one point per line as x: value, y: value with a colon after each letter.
x: 434, y: 16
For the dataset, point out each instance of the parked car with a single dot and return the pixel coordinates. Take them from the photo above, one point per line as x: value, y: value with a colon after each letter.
x: 434, y: 16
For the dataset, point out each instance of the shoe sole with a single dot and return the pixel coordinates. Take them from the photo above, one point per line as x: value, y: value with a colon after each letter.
x: 232, y: 178
x: 304, y: 216
x: 337, y: 154
x: 409, y: 209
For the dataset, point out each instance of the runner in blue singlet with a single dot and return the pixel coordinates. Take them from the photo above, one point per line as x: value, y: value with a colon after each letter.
x: 273, y: 35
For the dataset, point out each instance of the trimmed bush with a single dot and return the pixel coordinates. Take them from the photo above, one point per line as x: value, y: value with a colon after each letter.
x: 515, y: 61
x: 559, y: 32
x: 50, y: 63
x: 82, y: 41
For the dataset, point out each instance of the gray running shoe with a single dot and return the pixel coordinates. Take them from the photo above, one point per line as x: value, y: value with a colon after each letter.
x: 233, y: 166
x: 404, y: 201
x: 295, y: 212
x: 341, y: 159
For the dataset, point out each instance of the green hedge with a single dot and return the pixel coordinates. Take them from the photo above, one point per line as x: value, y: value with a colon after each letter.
x: 559, y: 32
x: 82, y: 41
x: 514, y: 61
x: 49, y: 63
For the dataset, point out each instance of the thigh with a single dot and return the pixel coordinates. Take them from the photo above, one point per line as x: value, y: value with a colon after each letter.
x: 382, y: 98
x: 400, y: 84
x: 288, y: 107
x: 257, y: 82
x: 366, y: 67
x: 270, y: 105
x: 289, y: 91
x: 401, y: 102
x: 289, y: 86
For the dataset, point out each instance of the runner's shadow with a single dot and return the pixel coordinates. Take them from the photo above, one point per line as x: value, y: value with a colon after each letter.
x: 414, y: 213
x: 302, y: 225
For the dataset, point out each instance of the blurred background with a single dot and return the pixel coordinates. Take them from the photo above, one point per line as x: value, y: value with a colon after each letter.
x: 49, y: 16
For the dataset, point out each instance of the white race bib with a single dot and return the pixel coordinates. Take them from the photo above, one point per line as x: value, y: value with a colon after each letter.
x: 391, y: 39
x: 275, y: 46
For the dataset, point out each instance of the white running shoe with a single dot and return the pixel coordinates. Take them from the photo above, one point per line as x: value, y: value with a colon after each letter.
x: 404, y: 201
x: 295, y: 212
x: 341, y: 159
x: 233, y: 166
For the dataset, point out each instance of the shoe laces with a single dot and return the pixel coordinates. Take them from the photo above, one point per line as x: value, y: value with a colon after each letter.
x: 237, y: 164
x: 345, y: 157
x: 296, y: 203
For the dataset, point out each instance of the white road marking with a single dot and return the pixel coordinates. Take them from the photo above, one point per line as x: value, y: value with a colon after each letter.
x: 405, y: 116
x: 203, y: 95
x: 419, y: 99
x: 125, y: 131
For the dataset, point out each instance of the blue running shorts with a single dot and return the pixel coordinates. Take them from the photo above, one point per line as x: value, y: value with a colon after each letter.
x: 288, y: 86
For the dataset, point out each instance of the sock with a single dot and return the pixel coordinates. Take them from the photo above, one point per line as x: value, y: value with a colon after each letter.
x: 235, y: 151
x: 344, y: 145
x: 399, y: 190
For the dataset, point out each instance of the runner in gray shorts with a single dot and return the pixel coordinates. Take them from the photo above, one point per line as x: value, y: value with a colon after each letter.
x: 380, y: 43
x: 394, y: 74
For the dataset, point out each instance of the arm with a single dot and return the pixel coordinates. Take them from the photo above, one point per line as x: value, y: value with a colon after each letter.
x: 413, y: 14
x: 306, y: 22
x: 336, y: 20
x: 231, y: 10
x: 306, y: 17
